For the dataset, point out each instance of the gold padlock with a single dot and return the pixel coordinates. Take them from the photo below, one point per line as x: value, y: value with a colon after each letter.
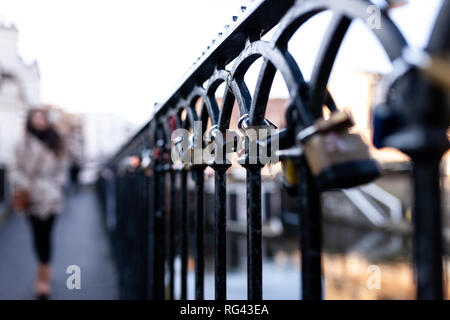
x: 336, y: 157
x: 290, y: 176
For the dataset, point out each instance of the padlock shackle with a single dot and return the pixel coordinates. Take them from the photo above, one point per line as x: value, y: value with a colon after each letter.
x: 338, y: 121
x: 285, y: 139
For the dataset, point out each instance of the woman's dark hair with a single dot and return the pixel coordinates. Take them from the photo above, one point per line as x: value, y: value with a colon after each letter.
x: 49, y: 137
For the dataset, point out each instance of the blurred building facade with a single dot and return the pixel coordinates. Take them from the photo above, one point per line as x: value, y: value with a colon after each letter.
x: 19, y: 91
x: 90, y: 138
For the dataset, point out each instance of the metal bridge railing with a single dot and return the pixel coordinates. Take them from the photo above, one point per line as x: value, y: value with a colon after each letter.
x: 144, y: 187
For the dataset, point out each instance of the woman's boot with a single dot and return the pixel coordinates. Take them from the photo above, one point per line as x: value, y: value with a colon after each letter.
x: 43, y: 277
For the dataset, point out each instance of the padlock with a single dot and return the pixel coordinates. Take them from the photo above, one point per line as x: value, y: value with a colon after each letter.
x: 336, y: 157
x: 290, y: 176
x: 385, y: 121
x: 188, y: 158
x: 146, y: 156
x: 216, y: 146
x: 263, y: 131
x: 211, y: 145
x: 211, y: 134
x: 288, y: 154
x: 181, y: 153
x: 130, y: 163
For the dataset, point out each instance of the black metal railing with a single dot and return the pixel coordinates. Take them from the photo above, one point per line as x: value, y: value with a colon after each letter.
x: 146, y: 196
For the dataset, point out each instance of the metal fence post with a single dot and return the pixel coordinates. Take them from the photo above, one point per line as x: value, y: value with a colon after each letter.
x: 172, y: 232
x: 254, y: 232
x: 220, y: 242
x: 427, y: 228
x: 158, y: 230
x: 199, y: 232
x: 310, y: 234
x: 183, y: 229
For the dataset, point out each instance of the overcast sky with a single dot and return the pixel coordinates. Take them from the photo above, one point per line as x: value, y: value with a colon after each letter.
x: 122, y: 56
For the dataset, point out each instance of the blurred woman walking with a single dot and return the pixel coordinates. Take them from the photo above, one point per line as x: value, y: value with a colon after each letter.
x: 38, y: 176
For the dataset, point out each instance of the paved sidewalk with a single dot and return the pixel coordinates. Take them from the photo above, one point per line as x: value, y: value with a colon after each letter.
x: 78, y: 239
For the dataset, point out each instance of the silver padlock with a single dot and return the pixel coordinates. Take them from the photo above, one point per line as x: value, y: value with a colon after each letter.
x: 181, y: 155
x: 250, y: 139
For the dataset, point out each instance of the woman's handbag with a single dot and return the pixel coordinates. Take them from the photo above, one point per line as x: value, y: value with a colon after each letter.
x: 21, y: 198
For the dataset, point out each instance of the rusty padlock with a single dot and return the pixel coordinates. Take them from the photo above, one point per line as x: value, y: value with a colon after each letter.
x: 336, y: 157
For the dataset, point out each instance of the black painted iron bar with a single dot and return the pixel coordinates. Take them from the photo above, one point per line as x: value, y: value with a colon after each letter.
x: 172, y: 232
x: 133, y: 289
x: 254, y: 233
x: 151, y: 235
x: 234, y: 246
x: 199, y: 233
x: 142, y: 233
x: 146, y: 227
x: 134, y: 237
x: 267, y: 206
x: 310, y: 234
x: 268, y: 252
x: 325, y: 61
x: 427, y: 227
x: 183, y: 229
x: 159, y: 231
x: 116, y: 236
x: 427, y: 210
x: 157, y: 248
x: 220, y: 242
x: 134, y: 240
